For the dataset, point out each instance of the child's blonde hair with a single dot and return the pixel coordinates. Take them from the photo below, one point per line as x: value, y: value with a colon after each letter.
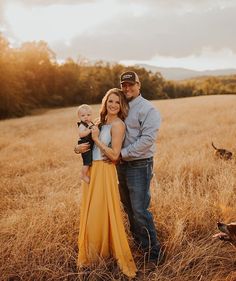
x: 85, y: 107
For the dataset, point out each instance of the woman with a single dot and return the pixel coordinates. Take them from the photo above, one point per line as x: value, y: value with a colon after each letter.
x: 102, y: 232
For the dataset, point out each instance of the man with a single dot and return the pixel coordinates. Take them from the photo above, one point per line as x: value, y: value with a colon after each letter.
x: 135, y: 168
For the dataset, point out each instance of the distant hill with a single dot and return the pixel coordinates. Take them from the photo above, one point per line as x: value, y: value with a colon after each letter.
x: 175, y: 73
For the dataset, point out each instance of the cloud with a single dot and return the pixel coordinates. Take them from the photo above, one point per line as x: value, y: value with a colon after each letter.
x: 1, y: 13
x: 40, y: 3
x: 184, y: 5
x: 206, y: 60
x: 144, y: 36
x: 144, y: 29
x: 51, y: 2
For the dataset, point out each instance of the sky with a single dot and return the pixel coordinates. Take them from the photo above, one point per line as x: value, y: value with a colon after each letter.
x: 193, y: 34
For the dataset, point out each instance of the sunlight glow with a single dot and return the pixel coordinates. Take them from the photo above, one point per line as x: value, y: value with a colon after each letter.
x: 55, y: 22
x: 63, y: 22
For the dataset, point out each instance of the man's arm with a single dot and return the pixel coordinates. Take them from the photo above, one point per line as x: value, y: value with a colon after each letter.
x: 148, y: 134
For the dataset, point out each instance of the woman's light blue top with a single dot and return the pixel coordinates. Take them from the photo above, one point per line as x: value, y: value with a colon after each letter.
x: 105, y: 137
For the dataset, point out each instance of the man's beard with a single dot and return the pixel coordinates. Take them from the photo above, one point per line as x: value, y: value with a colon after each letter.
x: 129, y: 98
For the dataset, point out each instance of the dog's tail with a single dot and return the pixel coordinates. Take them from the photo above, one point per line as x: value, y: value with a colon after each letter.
x: 214, y: 146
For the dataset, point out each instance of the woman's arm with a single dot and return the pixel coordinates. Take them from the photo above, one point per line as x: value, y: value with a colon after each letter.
x: 117, y: 136
x: 82, y: 148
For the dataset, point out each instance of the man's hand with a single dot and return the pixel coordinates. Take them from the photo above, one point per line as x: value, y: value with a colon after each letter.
x: 82, y: 148
x: 107, y: 160
x: 118, y: 160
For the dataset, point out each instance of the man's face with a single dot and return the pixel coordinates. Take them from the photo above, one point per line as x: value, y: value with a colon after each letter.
x: 130, y: 90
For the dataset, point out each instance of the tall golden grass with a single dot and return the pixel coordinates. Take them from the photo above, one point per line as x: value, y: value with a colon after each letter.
x: 191, y: 191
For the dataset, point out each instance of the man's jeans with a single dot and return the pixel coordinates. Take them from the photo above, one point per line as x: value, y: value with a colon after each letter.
x: 134, y: 184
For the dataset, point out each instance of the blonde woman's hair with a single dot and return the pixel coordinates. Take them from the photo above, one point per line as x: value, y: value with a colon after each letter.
x: 124, y: 107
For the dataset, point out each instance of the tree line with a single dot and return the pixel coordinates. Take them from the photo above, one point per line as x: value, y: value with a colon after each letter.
x: 31, y: 78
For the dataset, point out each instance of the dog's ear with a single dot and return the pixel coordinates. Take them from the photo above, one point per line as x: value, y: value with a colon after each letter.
x: 228, y: 232
x: 222, y: 227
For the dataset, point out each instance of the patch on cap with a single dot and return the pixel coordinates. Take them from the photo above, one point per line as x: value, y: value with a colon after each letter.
x: 129, y: 76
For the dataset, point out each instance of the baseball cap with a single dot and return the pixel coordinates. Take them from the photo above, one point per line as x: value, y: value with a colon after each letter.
x: 129, y: 76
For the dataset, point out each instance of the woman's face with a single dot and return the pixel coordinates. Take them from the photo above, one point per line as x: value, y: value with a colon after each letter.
x: 113, y: 104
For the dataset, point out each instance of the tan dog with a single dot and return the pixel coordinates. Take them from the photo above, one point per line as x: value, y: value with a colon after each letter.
x: 228, y: 232
x: 222, y: 153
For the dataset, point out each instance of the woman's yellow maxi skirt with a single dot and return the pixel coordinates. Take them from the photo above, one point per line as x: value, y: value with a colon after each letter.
x: 102, y: 232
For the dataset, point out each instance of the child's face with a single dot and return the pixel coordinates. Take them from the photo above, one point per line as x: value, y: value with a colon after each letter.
x: 85, y: 115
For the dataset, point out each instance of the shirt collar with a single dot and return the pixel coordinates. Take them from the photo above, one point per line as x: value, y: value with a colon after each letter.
x: 135, y: 101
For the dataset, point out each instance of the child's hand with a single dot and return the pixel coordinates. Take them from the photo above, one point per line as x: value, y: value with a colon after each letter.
x: 90, y: 125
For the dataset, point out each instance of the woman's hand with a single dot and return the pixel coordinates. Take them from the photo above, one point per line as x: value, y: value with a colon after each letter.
x: 96, y: 121
x: 82, y: 148
x: 95, y: 133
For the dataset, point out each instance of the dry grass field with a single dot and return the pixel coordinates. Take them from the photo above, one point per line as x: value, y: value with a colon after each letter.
x: 191, y: 191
